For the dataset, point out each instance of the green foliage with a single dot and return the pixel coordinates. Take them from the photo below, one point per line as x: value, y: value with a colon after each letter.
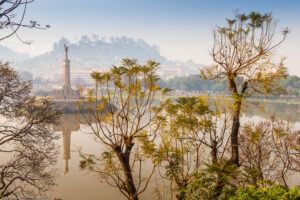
x: 195, y: 83
x: 87, y: 162
x: 189, y: 129
x: 147, y: 145
x: 204, y: 186
x: 292, y: 85
x: 212, y: 183
x: 178, y: 151
x: 277, y: 192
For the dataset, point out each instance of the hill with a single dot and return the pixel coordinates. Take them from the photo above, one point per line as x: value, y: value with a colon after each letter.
x: 92, y: 53
x: 8, y: 55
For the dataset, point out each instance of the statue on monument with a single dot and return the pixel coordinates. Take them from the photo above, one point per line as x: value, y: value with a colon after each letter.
x: 66, y: 51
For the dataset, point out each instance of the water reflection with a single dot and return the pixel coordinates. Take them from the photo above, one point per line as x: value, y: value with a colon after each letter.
x: 67, y: 148
x: 28, y: 155
x: 74, y: 183
x: 81, y: 185
x: 68, y: 123
x: 284, y: 111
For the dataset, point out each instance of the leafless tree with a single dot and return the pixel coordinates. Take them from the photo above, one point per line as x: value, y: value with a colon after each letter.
x: 268, y: 152
x: 27, y: 141
x: 12, y: 14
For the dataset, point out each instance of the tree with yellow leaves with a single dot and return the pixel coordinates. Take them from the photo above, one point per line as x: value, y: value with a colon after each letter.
x: 122, y: 114
x: 191, y: 136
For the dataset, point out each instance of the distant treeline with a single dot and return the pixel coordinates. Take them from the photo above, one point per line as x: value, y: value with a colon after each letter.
x: 196, y: 83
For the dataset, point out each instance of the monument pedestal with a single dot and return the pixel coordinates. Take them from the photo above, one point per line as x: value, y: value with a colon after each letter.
x: 66, y: 94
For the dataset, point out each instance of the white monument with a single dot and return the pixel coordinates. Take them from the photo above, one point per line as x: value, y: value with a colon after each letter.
x: 66, y: 92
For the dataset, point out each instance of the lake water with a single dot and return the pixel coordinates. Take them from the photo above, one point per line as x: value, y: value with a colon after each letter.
x: 74, y: 184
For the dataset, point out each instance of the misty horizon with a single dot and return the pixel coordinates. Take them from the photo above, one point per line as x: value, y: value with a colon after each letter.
x: 182, y: 30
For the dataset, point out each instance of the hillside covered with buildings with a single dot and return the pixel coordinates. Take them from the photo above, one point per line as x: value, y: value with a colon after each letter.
x: 95, y: 53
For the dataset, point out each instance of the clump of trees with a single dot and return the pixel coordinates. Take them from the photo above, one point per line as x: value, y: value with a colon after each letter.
x: 194, y: 150
x: 192, y: 135
x: 275, y: 192
x: 195, y: 82
x: 269, y: 152
x: 195, y: 144
x: 243, y: 193
x: 292, y: 85
x: 187, y: 140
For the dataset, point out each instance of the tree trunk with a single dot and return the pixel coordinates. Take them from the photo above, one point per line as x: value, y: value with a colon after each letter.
x: 125, y: 162
x: 235, y: 122
x: 214, y: 151
x: 219, y: 188
x: 234, y: 136
x: 179, y: 196
x: 235, y: 133
x: 181, y: 185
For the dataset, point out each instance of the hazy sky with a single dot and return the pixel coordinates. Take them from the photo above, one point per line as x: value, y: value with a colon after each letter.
x: 181, y: 28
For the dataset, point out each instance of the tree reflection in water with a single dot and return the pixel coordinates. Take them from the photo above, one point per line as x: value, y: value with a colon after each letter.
x: 28, y: 150
x: 284, y: 111
x: 27, y: 142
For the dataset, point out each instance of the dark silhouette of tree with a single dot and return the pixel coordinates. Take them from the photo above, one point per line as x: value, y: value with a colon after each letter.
x: 11, y: 22
x: 27, y: 141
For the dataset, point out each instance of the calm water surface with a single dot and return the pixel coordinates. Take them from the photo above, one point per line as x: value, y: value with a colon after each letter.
x: 74, y: 184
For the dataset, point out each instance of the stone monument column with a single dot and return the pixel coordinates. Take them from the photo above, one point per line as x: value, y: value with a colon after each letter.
x: 66, y: 75
x: 66, y: 92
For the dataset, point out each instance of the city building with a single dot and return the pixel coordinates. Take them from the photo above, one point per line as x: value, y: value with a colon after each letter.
x: 167, y: 72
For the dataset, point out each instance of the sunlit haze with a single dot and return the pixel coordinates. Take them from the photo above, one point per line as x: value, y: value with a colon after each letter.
x: 149, y: 99
x: 182, y: 29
